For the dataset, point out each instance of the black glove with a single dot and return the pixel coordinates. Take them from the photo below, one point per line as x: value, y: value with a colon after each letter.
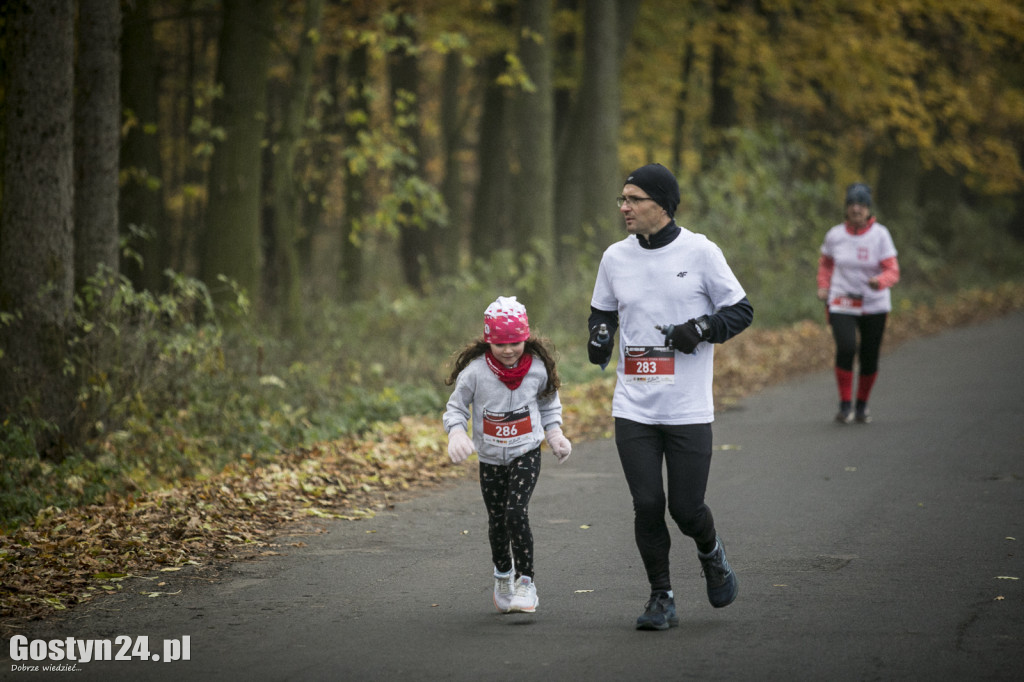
x: 599, y: 350
x: 685, y: 337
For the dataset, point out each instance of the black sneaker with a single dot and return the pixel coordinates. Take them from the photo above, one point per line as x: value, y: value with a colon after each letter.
x: 721, y: 580
x: 863, y: 415
x: 659, y: 614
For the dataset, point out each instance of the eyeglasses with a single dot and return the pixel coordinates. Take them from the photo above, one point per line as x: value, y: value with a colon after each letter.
x: 632, y: 201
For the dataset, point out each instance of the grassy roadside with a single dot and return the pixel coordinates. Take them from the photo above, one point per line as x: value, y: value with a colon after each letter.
x: 70, y: 557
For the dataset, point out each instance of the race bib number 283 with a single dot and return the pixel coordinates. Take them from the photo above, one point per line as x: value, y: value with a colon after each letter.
x: 650, y: 365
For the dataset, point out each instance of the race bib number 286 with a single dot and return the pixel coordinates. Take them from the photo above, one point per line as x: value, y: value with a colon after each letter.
x: 508, y: 429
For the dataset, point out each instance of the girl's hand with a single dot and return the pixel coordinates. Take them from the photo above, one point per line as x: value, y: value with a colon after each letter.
x: 822, y: 294
x: 460, y: 447
x: 560, y: 445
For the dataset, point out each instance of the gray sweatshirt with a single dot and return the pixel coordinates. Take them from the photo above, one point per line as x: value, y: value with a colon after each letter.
x: 506, y: 423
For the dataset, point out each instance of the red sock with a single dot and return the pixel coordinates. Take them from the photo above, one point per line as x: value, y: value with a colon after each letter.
x: 844, y: 380
x: 864, y: 384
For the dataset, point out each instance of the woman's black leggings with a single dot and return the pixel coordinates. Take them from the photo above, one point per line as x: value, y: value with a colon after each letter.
x: 845, y: 329
x: 685, y: 452
x: 507, y: 490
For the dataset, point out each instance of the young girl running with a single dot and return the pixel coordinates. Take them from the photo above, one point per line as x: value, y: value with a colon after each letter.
x: 510, y: 381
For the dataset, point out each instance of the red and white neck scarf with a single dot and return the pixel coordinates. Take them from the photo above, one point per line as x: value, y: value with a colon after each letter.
x: 510, y: 376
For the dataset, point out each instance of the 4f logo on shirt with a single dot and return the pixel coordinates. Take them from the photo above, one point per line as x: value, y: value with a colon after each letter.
x: 862, y: 253
x: 681, y: 274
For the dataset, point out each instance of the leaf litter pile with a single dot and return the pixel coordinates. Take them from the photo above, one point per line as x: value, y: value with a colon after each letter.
x: 69, y: 557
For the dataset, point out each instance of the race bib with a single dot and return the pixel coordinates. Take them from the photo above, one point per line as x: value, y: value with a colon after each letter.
x: 650, y: 365
x: 847, y: 303
x: 508, y: 429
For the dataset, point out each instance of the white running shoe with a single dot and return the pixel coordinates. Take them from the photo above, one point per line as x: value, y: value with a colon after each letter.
x: 504, y: 588
x: 525, y: 599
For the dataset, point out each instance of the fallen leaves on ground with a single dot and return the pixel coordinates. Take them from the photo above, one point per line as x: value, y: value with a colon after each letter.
x: 69, y: 557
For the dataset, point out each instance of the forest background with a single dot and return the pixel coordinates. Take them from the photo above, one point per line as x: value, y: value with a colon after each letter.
x: 235, y: 228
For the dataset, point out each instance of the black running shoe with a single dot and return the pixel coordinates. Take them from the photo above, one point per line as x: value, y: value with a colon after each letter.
x: 659, y: 614
x: 722, y: 583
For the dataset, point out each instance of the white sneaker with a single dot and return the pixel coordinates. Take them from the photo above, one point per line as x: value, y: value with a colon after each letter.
x: 503, y: 589
x: 525, y: 599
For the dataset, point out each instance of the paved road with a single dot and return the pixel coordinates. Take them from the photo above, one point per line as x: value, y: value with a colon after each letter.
x: 892, y: 551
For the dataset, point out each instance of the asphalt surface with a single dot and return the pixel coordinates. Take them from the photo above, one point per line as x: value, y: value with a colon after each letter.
x: 888, y: 551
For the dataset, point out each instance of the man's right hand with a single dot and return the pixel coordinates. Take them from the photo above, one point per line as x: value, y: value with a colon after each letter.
x: 599, y: 350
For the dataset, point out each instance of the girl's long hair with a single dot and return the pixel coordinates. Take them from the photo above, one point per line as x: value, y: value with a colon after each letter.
x: 533, y: 346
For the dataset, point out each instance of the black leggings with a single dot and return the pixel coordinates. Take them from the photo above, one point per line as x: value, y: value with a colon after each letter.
x: 507, y: 490
x: 844, y: 331
x: 686, y: 454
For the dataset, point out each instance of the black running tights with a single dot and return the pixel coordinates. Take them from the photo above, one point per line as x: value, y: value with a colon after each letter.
x: 845, y: 329
x: 685, y: 452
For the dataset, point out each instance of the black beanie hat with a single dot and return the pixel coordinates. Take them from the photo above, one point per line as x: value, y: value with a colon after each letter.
x: 659, y: 183
x: 858, y: 193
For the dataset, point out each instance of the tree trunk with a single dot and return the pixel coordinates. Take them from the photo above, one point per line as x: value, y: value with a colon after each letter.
x: 535, y: 167
x: 141, y: 195
x: 414, y: 246
x: 723, y: 102
x: 492, y: 225
x: 565, y: 72
x: 318, y: 245
x: 679, y: 131
x: 589, y: 173
x: 453, y: 119
x: 1016, y: 225
x: 36, y: 239
x: 97, y: 137
x: 286, y: 189
x: 724, y: 112
x: 191, y: 170
x: 232, y: 239
x: 356, y: 123
x: 899, y: 176
x: 939, y: 194
x: 611, y: 26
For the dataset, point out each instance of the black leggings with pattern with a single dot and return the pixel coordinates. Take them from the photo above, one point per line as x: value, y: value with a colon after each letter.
x: 507, y: 490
